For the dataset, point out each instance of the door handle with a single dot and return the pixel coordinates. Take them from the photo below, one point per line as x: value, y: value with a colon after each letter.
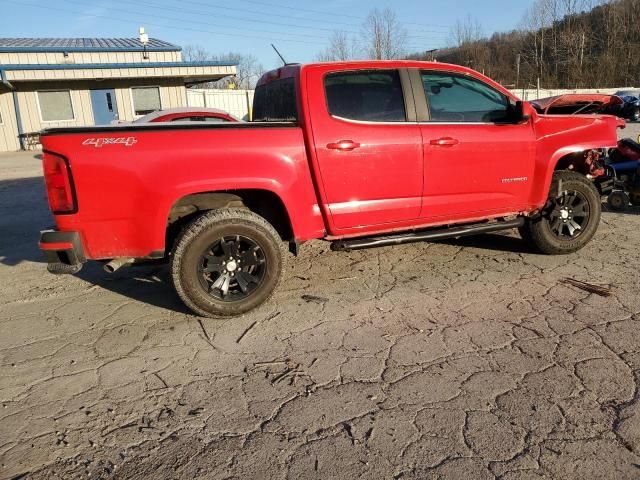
x: 445, y: 142
x: 343, y: 145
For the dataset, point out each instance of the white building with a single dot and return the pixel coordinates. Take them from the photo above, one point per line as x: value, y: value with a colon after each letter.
x: 53, y: 82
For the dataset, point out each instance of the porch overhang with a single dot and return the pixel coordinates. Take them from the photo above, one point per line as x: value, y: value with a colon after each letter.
x: 191, y: 72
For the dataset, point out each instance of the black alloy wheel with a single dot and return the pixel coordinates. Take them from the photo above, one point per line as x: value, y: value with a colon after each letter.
x: 232, y: 268
x: 227, y: 262
x: 569, y: 215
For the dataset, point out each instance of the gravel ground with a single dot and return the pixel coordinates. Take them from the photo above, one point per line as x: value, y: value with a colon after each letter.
x: 461, y: 359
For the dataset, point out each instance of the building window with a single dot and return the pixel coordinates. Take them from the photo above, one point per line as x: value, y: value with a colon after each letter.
x: 146, y: 100
x: 56, y: 106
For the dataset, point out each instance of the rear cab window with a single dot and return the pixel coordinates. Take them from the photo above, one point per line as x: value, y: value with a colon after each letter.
x: 463, y: 99
x: 369, y: 96
x: 276, y: 101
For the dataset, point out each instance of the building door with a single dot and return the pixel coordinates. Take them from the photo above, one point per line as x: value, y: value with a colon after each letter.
x: 105, y: 109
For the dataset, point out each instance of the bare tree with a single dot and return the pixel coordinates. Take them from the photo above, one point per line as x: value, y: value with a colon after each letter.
x: 341, y: 47
x: 248, y: 69
x: 195, y: 53
x: 563, y: 43
x: 466, y: 31
x: 383, y: 36
x: 537, y: 20
x: 466, y: 35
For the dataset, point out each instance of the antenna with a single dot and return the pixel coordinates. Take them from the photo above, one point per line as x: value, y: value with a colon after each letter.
x: 281, y: 57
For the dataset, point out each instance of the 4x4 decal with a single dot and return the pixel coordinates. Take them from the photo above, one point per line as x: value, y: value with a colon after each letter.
x: 100, y: 142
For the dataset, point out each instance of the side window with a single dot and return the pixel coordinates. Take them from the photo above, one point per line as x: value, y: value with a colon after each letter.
x: 373, y: 96
x: 454, y: 98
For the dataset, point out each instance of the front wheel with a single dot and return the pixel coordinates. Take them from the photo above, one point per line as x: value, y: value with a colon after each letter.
x: 226, y: 262
x: 569, y: 219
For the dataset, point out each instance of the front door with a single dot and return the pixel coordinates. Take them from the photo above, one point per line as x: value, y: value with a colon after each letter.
x: 479, y: 159
x: 369, y: 155
x: 105, y: 109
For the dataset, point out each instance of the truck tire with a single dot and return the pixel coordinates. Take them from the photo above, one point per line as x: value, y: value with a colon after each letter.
x: 569, y: 219
x: 227, y: 262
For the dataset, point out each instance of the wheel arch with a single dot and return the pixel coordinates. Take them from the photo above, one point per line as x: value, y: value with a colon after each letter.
x: 575, y: 161
x: 569, y: 158
x: 266, y: 203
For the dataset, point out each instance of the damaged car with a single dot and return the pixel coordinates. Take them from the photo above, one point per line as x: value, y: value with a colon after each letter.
x: 626, y: 107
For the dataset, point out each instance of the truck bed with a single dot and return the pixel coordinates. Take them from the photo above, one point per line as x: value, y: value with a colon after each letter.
x: 128, y: 177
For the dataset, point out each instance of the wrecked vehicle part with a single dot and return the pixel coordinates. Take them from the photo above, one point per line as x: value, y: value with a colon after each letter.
x: 577, y: 104
x: 626, y: 107
x: 623, y: 170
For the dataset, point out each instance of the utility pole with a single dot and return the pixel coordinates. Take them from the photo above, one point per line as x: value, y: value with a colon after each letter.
x: 517, y: 70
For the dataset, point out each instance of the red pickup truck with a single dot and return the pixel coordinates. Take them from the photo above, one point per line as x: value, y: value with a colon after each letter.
x: 361, y: 154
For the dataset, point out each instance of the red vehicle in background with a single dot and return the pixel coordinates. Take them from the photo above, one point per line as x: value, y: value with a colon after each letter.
x: 188, y: 114
x: 360, y: 154
x: 625, y: 107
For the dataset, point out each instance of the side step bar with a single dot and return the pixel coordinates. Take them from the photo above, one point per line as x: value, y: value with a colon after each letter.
x: 424, y: 235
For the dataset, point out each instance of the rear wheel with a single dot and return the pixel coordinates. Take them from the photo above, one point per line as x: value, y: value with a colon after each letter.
x: 226, y: 262
x: 569, y: 219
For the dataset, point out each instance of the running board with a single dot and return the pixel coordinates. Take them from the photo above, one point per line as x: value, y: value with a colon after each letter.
x: 424, y: 235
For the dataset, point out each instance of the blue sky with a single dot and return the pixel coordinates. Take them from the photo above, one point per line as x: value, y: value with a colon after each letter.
x: 299, y: 29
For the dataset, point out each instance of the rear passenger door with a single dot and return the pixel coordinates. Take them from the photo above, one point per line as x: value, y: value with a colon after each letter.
x: 368, y: 147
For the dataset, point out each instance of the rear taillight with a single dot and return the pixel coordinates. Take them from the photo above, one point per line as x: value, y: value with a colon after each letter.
x: 57, y: 176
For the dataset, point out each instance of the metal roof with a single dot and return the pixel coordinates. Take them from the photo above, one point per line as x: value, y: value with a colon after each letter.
x: 83, y: 45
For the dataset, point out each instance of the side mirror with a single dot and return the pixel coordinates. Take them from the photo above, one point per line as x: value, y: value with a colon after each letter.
x: 523, y: 111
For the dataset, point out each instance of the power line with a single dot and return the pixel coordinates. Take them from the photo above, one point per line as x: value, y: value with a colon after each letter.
x: 188, y: 12
x: 333, y: 20
x: 238, y: 19
x: 319, y: 12
x: 160, y: 25
x: 280, y: 37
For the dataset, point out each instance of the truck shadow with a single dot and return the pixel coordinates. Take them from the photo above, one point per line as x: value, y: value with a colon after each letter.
x: 23, y: 213
x: 150, y: 284
x: 491, y: 241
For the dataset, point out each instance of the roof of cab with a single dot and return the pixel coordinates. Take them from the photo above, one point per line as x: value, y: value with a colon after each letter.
x: 293, y: 70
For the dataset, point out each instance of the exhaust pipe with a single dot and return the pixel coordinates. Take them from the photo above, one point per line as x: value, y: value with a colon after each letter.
x: 117, y: 264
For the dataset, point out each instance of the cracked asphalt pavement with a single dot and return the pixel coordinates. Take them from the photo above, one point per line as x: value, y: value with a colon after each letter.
x: 459, y: 359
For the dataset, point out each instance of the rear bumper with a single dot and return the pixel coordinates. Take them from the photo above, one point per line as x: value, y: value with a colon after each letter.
x: 62, y: 250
